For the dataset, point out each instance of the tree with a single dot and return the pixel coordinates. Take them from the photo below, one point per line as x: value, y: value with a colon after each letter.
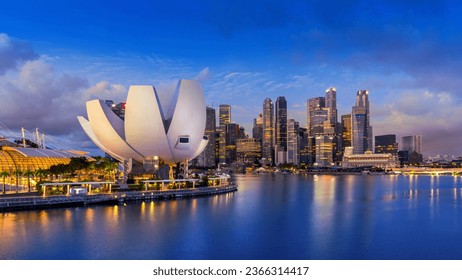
x: 28, y: 173
x: 17, y: 173
x: 4, y: 174
x: 40, y: 173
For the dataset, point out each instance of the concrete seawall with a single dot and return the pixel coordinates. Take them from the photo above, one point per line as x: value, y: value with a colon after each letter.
x: 39, y: 202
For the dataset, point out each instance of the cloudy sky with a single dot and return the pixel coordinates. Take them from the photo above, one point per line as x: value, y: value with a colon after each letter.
x: 55, y: 55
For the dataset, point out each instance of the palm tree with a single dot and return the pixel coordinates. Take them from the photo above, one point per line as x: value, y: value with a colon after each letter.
x: 40, y: 173
x: 4, y: 174
x: 28, y: 173
x: 17, y: 173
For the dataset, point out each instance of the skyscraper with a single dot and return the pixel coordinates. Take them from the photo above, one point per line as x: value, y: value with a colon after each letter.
x: 316, y: 114
x: 281, y: 123
x: 412, y: 143
x: 293, y: 142
x: 386, y: 144
x: 225, y: 114
x: 232, y: 134
x: 361, y: 136
x: 257, y: 130
x: 268, y: 130
x: 346, y: 130
x: 210, y: 130
x: 331, y: 104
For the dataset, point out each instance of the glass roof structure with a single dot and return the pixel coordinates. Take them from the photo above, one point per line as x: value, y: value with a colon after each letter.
x: 29, y: 159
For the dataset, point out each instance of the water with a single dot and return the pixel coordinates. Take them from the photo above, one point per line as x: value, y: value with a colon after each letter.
x: 270, y: 217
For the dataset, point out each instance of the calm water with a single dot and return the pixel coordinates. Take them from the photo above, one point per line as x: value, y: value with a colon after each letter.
x: 270, y: 217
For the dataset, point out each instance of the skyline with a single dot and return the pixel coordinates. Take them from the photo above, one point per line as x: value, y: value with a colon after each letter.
x: 405, y: 54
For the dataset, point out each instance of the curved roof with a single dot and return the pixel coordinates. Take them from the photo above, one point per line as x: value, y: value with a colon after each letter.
x: 16, y: 158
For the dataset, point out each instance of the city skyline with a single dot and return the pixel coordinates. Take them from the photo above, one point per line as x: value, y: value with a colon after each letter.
x: 407, y: 60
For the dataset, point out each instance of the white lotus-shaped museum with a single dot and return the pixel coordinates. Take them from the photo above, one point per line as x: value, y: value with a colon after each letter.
x: 169, y: 128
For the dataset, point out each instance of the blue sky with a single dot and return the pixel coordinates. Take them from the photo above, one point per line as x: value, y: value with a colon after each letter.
x: 55, y: 55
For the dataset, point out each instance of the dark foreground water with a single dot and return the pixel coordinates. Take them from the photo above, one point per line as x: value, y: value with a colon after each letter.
x: 270, y: 217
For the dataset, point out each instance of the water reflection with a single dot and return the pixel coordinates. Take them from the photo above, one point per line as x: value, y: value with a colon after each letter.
x: 269, y: 217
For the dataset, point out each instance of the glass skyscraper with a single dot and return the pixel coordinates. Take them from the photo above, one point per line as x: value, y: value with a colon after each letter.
x: 268, y: 130
x: 361, y: 136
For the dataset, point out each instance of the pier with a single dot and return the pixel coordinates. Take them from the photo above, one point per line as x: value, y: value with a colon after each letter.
x: 39, y: 202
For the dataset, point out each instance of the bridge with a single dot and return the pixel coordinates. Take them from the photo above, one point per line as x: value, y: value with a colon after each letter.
x: 428, y: 171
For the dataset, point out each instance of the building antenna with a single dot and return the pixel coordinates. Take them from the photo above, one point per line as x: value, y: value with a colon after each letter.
x: 23, y: 136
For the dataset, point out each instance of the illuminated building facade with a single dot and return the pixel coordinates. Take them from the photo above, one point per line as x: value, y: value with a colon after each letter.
x: 281, y: 123
x: 386, y: 144
x: 293, y: 142
x: 385, y: 161
x: 248, y: 150
x: 14, y: 159
x: 361, y: 136
x: 268, y: 131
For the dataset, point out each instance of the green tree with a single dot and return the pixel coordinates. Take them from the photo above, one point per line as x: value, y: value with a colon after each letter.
x: 28, y: 173
x: 41, y: 173
x: 4, y: 174
x: 17, y: 173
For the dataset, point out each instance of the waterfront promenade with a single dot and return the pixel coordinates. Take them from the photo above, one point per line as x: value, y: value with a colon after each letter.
x: 37, y: 202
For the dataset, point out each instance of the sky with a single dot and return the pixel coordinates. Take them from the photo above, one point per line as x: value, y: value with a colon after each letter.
x: 56, y: 55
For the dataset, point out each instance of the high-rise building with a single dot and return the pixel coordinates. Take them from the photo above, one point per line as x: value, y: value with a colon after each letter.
x: 346, y: 130
x: 316, y: 114
x: 361, y: 136
x: 224, y: 119
x: 207, y: 157
x: 268, y: 130
x: 225, y: 114
x: 386, y: 144
x: 248, y: 150
x: 257, y: 131
x: 331, y: 104
x: 323, y: 128
x: 293, y: 142
x: 281, y: 123
x: 412, y: 143
x: 231, y: 136
x: 304, y: 147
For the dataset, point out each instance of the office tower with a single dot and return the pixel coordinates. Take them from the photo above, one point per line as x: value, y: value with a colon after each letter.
x: 316, y: 114
x: 281, y: 123
x: 324, y: 146
x: 304, y: 148
x: 323, y: 128
x: 268, y: 130
x: 242, y: 133
x: 224, y: 119
x: 225, y: 114
x: 386, y: 144
x: 361, y: 136
x: 412, y: 143
x: 248, y: 150
x: 293, y: 142
x: 207, y: 157
x: 331, y: 104
x: 231, y: 136
x: 346, y: 131
x: 257, y: 130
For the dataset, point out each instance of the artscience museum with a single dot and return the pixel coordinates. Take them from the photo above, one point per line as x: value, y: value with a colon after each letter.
x: 156, y: 128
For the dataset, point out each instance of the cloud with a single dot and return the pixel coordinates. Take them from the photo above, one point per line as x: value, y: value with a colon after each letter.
x: 35, y: 95
x: 203, y: 75
x: 106, y: 90
x: 436, y: 116
x: 13, y: 52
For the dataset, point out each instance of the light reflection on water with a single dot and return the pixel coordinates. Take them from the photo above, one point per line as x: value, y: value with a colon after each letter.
x: 270, y: 217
